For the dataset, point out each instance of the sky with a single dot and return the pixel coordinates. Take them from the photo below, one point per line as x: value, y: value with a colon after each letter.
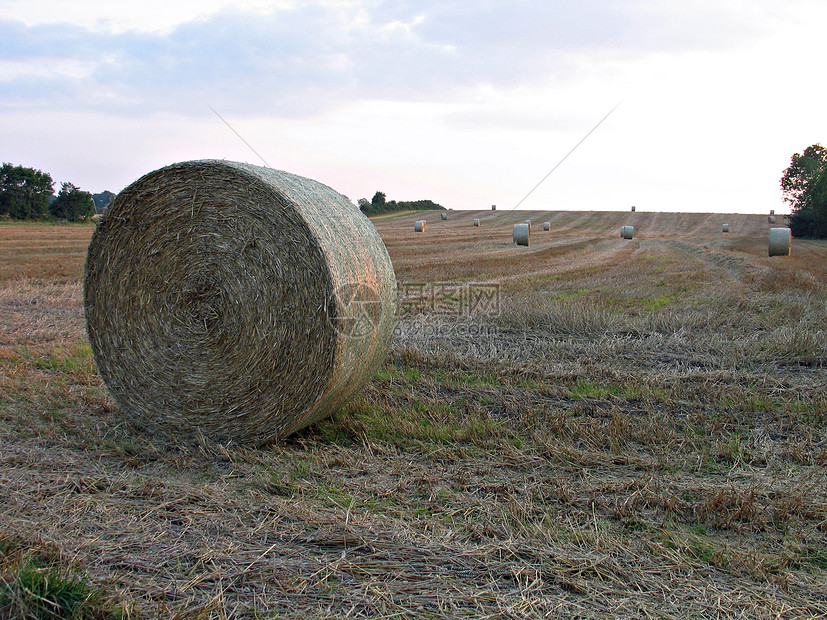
x: 692, y: 106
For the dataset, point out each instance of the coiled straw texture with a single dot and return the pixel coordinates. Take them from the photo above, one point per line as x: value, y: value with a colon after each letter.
x: 234, y: 301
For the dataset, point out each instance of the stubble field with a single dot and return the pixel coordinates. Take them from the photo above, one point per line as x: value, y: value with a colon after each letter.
x: 588, y: 427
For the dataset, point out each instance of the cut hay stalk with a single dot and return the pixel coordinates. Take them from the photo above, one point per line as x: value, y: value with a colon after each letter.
x: 234, y: 301
x: 476, y: 221
x: 725, y: 228
x: 521, y: 234
x: 419, y: 225
x: 546, y: 226
x: 627, y: 232
x: 780, y: 241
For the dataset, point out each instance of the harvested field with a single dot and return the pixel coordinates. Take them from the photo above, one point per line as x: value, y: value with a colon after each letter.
x: 587, y: 427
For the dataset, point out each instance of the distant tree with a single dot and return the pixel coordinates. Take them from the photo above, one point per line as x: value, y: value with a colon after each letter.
x: 379, y: 204
x: 72, y: 204
x: 102, y: 200
x: 804, y: 187
x: 24, y: 192
x: 378, y: 201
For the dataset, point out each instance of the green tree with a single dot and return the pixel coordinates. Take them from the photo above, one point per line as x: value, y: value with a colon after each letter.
x: 804, y: 187
x: 378, y: 202
x: 72, y: 204
x: 24, y: 192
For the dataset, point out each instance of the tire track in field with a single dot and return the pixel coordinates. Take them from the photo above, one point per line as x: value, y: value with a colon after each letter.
x: 737, y: 266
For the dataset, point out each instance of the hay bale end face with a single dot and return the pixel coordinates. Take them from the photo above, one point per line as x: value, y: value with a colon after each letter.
x: 521, y: 234
x: 780, y: 241
x: 725, y: 228
x: 528, y: 222
x: 627, y: 232
x: 476, y: 221
x: 234, y: 301
x: 546, y: 226
x: 419, y: 225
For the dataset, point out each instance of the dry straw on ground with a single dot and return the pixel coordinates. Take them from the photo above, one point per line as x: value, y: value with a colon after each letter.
x: 780, y: 240
x: 627, y: 232
x: 235, y: 301
x: 521, y: 234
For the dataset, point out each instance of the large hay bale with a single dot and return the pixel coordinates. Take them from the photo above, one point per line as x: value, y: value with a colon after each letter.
x: 780, y: 241
x: 476, y: 221
x: 546, y: 226
x: 419, y: 225
x: 234, y: 301
x: 771, y: 219
x: 725, y: 228
x: 528, y: 222
x: 521, y: 234
x: 627, y: 232
x: 444, y: 216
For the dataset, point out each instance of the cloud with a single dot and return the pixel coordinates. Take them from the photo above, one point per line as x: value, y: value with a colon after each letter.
x: 303, y: 60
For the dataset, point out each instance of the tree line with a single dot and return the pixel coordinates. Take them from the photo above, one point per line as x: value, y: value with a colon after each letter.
x: 28, y: 194
x: 804, y: 186
x: 379, y: 204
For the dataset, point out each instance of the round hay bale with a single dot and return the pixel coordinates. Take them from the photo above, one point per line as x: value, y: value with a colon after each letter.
x: 546, y: 226
x: 493, y: 207
x: 419, y: 225
x: 771, y: 219
x: 529, y: 225
x: 444, y: 216
x: 772, y: 211
x: 476, y: 221
x: 780, y: 241
x: 627, y: 232
x: 633, y: 208
x: 521, y: 234
x: 236, y: 302
x: 725, y: 228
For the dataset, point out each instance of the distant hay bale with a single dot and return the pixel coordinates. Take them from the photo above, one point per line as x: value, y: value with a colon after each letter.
x: 419, y: 225
x: 521, y: 234
x: 444, y: 216
x: 529, y: 225
x: 771, y: 219
x: 236, y: 302
x: 633, y: 208
x: 627, y: 232
x: 476, y: 221
x: 493, y: 207
x: 780, y: 241
x: 772, y: 211
x: 725, y: 228
x: 546, y: 225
